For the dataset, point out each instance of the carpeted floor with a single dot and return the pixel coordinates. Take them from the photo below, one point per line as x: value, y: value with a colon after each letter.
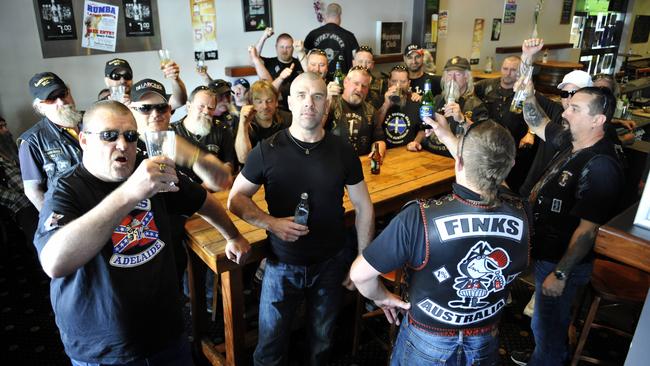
x: 31, y: 337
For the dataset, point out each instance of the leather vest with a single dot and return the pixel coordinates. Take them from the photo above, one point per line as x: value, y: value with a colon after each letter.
x: 553, y: 198
x: 57, y: 150
x: 473, y: 253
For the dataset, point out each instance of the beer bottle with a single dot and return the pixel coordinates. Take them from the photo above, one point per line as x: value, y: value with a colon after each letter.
x: 302, y: 210
x: 338, y: 74
x: 427, y: 108
x: 375, y: 159
x: 517, y: 105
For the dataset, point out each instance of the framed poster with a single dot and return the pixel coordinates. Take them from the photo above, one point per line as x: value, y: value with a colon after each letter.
x: 390, y: 37
x: 138, y: 21
x: 496, y: 29
x: 509, y: 11
x: 57, y: 20
x: 567, y: 6
x: 204, y: 28
x: 641, y: 29
x: 100, y: 26
x: 257, y: 15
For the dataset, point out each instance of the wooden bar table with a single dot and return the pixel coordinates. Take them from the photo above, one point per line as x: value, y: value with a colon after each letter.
x: 404, y: 176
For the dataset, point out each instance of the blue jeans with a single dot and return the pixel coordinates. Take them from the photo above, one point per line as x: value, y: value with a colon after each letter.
x: 415, y: 347
x: 178, y: 354
x: 284, y: 288
x: 552, y: 315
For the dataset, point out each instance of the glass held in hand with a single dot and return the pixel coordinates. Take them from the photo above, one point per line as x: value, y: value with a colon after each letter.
x: 396, y: 98
x: 164, y: 57
x: 161, y: 143
x: 117, y: 92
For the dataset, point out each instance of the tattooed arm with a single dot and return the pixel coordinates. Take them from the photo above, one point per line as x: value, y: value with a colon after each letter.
x: 535, y: 117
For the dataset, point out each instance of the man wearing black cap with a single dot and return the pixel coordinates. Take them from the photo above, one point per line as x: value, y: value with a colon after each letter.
x: 414, y: 61
x: 240, y: 90
x: 51, y: 146
x: 118, y: 72
x: 224, y: 111
x: 458, y: 102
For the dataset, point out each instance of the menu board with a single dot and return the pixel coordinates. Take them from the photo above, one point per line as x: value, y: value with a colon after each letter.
x: 138, y: 21
x: 57, y: 19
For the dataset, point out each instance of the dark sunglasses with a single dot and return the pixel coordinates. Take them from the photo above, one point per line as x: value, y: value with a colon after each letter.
x: 147, y: 108
x: 117, y: 76
x: 461, y: 144
x: 112, y: 135
x: 567, y: 94
x: 60, y: 94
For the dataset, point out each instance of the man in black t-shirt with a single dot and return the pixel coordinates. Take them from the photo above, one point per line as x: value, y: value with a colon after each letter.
x: 307, y: 262
x: 224, y: 112
x: 197, y: 128
x: 337, y: 42
x: 352, y: 117
x: 260, y: 120
x: 400, y: 116
x: 414, y: 61
x: 104, y: 240
x: 241, y: 93
x: 363, y: 57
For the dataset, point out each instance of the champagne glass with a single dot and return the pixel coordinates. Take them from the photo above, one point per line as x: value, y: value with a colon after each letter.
x: 161, y: 143
x: 164, y: 57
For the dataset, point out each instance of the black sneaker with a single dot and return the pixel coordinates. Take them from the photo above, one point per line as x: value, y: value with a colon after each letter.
x: 520, y: 358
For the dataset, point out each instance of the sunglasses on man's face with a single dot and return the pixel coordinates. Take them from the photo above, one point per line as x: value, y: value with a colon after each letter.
x: 147, y: 108
x: 117, y: 76
x: 567, y: 94
x: 60, y: 94
x: 112, y: 135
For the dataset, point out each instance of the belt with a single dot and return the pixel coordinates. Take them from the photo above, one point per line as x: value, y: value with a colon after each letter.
x: 452, y: 332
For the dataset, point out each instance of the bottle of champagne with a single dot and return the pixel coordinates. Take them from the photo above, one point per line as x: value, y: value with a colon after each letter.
x: 301, y: 214
x: 375, y: 159
x: 338, y: 74
x: 517, y: 105
x: 427, y: 108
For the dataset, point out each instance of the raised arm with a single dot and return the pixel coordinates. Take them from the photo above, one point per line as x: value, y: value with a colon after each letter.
x: 243, y: 144
x: 214, y: 173
x: 534, y: 115
x: 256, y: 61
x: 179, y: 93
x: 268, y: 32
x: 440, y: 126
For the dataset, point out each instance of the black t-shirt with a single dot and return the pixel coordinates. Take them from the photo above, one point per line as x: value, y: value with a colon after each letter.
x: 497, y: 101
x: 275, y: 67
x: 124, y: 303
x: 286, y: 171
x: 401, y: 124
x: 257, y: 133
x: 336, y: 41
x: 417, y: 85
x: 357, y: 124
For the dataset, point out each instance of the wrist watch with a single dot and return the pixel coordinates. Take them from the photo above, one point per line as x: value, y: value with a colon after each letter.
x: 560, y: 275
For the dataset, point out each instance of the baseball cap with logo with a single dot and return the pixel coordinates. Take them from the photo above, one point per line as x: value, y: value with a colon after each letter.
x: 43, y: 84
x: 116, y: 64
x: 579, y: 78
x: 412, y: 48
x: 243, y: 82
x: 145, y: 86
x: 457, y: 63
x: 220, y: 86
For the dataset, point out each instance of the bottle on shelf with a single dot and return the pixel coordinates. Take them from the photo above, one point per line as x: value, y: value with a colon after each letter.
x: 375, y: 159
x: 301, y: 214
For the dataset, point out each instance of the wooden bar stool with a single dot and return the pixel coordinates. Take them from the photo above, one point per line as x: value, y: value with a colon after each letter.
x: 616, y: 283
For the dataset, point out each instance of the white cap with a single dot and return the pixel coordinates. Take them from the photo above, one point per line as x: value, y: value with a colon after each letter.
x: 579, y: 78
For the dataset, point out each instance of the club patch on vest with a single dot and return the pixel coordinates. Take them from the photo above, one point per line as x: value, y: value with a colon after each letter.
x: 397, y: 127
x: 135, y: 239
x: 564, y: 178
x: 449, y: 316
x: 470, y: 225
x: 556, y: 205
x: 441, y: 274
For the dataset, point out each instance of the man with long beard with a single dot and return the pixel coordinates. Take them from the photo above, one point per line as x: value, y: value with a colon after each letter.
x: 51, y: 146
x: 197, y: 128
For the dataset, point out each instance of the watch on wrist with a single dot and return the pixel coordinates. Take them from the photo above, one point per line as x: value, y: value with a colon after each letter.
x: 560, y: 275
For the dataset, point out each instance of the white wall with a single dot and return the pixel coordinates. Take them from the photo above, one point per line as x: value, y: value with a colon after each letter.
x: 20, y: 55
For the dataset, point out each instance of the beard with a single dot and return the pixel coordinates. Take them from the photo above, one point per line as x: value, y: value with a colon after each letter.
x: 67, y: 116
x: 8, y: 148
x: 455, y: 93
x: 201, y: 125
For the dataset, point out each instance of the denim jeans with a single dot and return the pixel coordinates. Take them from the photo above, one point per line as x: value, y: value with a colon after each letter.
x: 415, y: 347
x: 284, y: 288
x: 178, y: 354
x: 552, y: 315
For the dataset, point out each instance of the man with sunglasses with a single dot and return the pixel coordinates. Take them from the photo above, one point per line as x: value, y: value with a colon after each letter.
x: 104, y: 238
x: 353, y: 118
x: 460, y: 252
x: 118, y: 72
x: 51, y: 146
x: 414, y: 61
x: 578, y: 191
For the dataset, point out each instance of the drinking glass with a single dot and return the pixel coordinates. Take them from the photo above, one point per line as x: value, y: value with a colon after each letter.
x: 165, y: 57
x: 117, y: 92
x: 161, y: 143
x: 200, y: 63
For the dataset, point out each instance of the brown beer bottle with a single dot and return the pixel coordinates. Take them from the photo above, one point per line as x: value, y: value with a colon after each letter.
x: 375, y: 159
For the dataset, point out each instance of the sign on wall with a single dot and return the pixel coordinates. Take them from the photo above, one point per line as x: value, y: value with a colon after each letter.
x: 477, y: 39
x: 390, y: 37
x: 100, y: 26
x: 257, y: 15
x: 57, y: 19
x: 138, y: 21
x: 509, y: 11
x: 204, y: 27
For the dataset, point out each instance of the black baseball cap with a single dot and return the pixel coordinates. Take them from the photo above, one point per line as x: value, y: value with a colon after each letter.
x: 116, y: 64
x: 412, y: 48
x: 43, y: 84
x: 457, y: 63
x: 243, y: 82
x: 145, y: 86
x: 220, y: 86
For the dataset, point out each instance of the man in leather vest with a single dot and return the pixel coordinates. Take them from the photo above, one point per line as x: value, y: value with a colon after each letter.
x: 461, y: 252
x: 51, y: 146
x: 578, y: 192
